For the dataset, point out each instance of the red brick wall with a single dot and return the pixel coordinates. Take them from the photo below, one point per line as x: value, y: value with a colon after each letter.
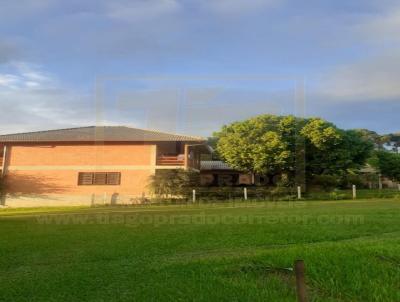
x: 41, y: 170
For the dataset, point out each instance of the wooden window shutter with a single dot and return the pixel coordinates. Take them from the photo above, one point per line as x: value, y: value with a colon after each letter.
x: 85, y: 178
x: 113, y: 178
x: 100, y: 178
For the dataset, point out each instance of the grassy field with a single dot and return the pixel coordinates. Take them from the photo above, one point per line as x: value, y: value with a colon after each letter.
x: 226, y: 252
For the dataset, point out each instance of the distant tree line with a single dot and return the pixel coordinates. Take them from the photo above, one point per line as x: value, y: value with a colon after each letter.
x: 385, y: 157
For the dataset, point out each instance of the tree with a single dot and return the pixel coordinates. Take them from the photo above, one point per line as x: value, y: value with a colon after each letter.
x: 256, y: 145
x: 388, y: 164
x: 393, y: 141
x: 379, y: 141
x: 212, y: 142
x: 269, y: 144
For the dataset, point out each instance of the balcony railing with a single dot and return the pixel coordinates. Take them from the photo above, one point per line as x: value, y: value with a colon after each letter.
x: 171, y: 160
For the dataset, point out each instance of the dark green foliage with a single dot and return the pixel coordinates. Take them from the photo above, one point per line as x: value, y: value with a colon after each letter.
x: 212, y: 142
x: 174, y: 183
x: 349, y: 180
x: 393, y: 141
x: 285, y: 145
x: 377, y: 140
x: 325, y: 182
x: 388, y: 163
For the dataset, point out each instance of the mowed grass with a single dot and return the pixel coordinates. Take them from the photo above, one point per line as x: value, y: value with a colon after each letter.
x: 227, y: 252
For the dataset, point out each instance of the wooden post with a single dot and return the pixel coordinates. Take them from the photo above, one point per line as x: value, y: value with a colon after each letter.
x: 245, y: 193
x: 380, y: 181
x: 186, y: 154
x: 194, y: 196
x: 299, y: 192
x: 3, y: 164
x: 300, y: 281
x: 104, y: 198
x: 354, y: 192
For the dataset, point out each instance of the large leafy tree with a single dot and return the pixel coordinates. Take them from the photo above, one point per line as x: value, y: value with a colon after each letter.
x: 256, y: 145
x: 272, y: 145
x: 387, y: 163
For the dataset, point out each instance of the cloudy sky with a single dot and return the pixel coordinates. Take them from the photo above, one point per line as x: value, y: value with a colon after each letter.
x: 192, y: 65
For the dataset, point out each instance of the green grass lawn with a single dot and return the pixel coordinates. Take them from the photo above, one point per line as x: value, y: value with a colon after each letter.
x: 226, y: 252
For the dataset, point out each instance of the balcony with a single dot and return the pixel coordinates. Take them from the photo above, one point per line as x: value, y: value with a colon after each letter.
x: 171, y: 160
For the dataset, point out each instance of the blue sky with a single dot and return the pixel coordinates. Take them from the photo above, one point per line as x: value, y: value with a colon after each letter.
x: 191, y: 66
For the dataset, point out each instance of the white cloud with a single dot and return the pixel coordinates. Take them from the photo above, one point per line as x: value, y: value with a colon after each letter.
x: 25, y: 76
x: 381, y: 27
x: 371, y: 78
x: 375, y: 76
x: 33, y: 100
x: 9, y: 81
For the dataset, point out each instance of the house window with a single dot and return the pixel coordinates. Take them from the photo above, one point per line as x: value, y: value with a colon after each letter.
x: 99, y: 178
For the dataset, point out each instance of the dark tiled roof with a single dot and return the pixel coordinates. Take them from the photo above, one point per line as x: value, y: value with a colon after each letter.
x: 214, y: 165
x: 97, y: 133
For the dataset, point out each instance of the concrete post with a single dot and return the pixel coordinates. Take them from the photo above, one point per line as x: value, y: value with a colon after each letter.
x: 245, y: 193
x: 299, y: 192
x: 354, y: 192
x: 194, y: 196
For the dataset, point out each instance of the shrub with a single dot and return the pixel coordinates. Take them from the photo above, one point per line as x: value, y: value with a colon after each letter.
x: 325, y: 182
x: 353, y: 179
x: 337, y: 195
x: 173, y: 183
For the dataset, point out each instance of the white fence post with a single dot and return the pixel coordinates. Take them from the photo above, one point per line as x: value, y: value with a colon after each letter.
x: 194, y: 195
x: 245, y: 193
x: 104, y: 198
x: 354, y: 192
x: 299, y: 192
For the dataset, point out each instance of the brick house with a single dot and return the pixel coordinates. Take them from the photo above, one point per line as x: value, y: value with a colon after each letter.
x: 90, y: 165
